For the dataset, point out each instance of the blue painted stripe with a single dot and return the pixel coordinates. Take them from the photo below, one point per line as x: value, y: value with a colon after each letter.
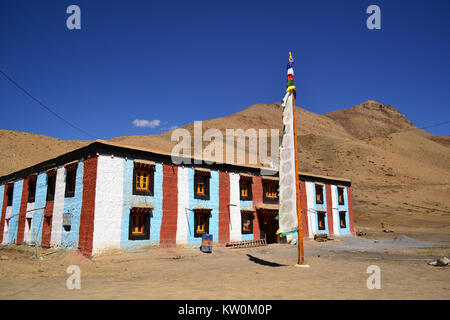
x: 212, y: 203
x: 247, y: 205
x: 157, y: 201
x: 343, y: 207
x: 69, y: 239
x: 321, y: 207
x: 129, y: 199
x: 14, y: 221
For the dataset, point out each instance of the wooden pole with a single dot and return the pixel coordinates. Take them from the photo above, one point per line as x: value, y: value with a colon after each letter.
x: 301, y: 254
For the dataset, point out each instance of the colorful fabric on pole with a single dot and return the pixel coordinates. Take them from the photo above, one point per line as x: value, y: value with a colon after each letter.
x: 290, y: 74
x: 288, y: 220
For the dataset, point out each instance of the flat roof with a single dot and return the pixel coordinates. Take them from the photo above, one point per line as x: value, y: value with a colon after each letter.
x: 104, y: 147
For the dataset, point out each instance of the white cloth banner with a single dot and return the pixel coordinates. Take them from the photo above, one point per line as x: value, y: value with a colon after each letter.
x: 288, y: 192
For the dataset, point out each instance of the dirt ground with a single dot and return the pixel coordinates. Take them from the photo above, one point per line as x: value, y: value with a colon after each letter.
x: 253, y: 273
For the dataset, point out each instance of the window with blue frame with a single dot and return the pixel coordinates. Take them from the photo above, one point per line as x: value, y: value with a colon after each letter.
x: 143, y: 178
x: 341, y: 195
x: 201, y: 184
x: 201, y: 222
x: 319, y: 193
x: 247, y: 222
x: 9, y: 194
x: 139, y: 224
x: 342, y: 219
x: 321, y: 215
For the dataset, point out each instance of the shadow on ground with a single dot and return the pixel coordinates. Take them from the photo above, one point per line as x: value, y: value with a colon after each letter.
x: 264, y: 262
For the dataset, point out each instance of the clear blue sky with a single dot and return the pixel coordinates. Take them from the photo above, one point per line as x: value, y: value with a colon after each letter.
x: 181, y: 61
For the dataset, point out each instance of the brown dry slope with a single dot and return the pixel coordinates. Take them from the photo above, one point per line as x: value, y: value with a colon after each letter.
x: 19, y: 150
x: 400, y: 174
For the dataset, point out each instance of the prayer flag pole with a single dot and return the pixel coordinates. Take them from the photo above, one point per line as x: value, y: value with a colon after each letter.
x: 301, y: 254
x: 291, y: 87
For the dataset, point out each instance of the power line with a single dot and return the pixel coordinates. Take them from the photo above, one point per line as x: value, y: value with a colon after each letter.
x: 46, y: 107
x: 435, y: 125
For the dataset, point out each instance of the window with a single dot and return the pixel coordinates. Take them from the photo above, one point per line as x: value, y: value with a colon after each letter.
x: 143, y: 181
x: 321, y: 219
x: 71, y: 174
x: 247, y: 222
x: 319, y: 193
x: 51, y: 182
x: 28, y: 226
x: 270, y: 192
x: 342, y: 221
x: 245, y: 187
x: 6, y: 225
x: 31, y: 188
x: 139, y: 225
x: 67, y: 221
x: 9, y: 194
x: 201, y: 222
x: 201, y: 184
x: 340, y: 195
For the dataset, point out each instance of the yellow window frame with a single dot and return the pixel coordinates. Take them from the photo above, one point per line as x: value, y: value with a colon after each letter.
x: 142, y: 180
x: 201, y: 223
x: 138, y: 223
x: 271, y: 191
x: 244, y: 188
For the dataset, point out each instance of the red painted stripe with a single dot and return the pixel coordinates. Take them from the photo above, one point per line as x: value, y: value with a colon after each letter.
x: 168, y: 234
x: 22, y: 212
x: 350, y: 210
x: 2, y: 219
x: 46, y: 230
x: 257, y: 193
x: 86, y: 233
x: 224, y: 208
x: 304, y: 205
x: 329, y: 209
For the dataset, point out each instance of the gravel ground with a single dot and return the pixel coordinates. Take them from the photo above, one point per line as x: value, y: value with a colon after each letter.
x: 348, y: 243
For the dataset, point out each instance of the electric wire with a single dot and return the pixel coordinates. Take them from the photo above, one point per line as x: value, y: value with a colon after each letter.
x: 46, y: 107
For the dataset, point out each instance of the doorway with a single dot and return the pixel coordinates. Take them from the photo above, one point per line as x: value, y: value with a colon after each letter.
x: 269, y: 226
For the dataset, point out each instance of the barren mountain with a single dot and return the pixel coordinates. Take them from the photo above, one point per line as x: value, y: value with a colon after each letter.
x: 400, y: 174
x: 19, y: 150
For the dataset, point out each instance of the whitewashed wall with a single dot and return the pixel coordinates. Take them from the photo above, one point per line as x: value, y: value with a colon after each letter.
x: 183, y: 203
x: 108, y: 203
x: 311, y: 206
x: 235, y: 208
x: 58, y: 207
